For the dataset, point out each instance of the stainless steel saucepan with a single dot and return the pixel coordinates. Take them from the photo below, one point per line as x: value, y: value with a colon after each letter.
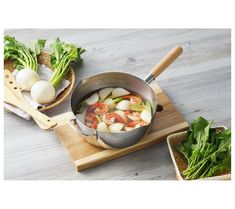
x: 126, y: 81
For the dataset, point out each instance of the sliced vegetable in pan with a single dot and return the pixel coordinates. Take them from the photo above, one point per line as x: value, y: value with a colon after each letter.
x: 114, y: 110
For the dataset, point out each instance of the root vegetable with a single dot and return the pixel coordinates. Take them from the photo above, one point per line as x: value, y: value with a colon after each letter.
x: 123, y: 105
x: 128, y: 129
x: 110, y: 103
x: 43, y: 92
x: 92, y: 99
x: 26, y: 78
x: 121, y: 114
x: 102, y: 127
x: 146, y: 116
x: 117, y: 92
x: 103, y: 93
x: 116, y: 127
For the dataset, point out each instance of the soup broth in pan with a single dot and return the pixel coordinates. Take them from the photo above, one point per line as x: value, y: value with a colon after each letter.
x: 114, y: 110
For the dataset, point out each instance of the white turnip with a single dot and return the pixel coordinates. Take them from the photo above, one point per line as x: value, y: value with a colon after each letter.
x: 43, y: 92
x: 26, y: 78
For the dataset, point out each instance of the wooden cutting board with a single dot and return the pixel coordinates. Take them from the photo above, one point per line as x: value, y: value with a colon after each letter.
x: 85, y: 155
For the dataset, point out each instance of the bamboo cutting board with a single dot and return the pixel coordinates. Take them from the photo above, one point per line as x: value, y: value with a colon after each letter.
x: 85, y: 155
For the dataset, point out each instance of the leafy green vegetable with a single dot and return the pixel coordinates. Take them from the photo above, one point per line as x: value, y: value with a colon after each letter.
x: 135, y: 107
x: 148, y: 106
x: 37, y: 46
x: 61, y: 57
x: 24, y: 57
x: 98, y: 118
x: 208, y: 152
x: 118, y: 99
x: 141, y: 107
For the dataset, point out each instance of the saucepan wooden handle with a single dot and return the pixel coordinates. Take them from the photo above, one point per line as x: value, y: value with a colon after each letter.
x: 164, y: 63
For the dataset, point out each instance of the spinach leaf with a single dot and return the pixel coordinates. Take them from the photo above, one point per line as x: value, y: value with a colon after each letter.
x: 207, y: 152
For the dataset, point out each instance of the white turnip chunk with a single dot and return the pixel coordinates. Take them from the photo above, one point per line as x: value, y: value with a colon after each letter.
x: 102, y: 127
x: 117, y: 92
x: 92, y: 99
x: 121, y: 114
x: 110, y: 103
x: 146, y: 116
x: 103, y: 93
x: 116, y: 127
x: 123, y: 105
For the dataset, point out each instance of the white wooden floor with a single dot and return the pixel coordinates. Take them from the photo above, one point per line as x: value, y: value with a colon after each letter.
x: 199, y: 83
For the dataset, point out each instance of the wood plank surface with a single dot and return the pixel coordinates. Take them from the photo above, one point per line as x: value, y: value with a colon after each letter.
x: 198, y: 83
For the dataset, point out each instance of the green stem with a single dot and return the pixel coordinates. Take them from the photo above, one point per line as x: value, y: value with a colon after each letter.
x: 202, y: 161
x: 202, y: 176
x: 25, y: 57
x: 57, y: 71
x: 57, y: 81
x: 193, y: 175
x: 28, y: 58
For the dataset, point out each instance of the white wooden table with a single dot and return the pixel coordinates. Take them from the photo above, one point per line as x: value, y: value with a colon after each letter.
x: 199, y: 83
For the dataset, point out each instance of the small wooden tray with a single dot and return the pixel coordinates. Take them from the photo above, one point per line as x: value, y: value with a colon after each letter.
x: 44, y: 58
x: 180, y: 163
x: 85, y: 155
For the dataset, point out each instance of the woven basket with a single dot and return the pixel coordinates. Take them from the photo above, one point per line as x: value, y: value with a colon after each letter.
x: 44, y: 58
x: 180, y: 163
